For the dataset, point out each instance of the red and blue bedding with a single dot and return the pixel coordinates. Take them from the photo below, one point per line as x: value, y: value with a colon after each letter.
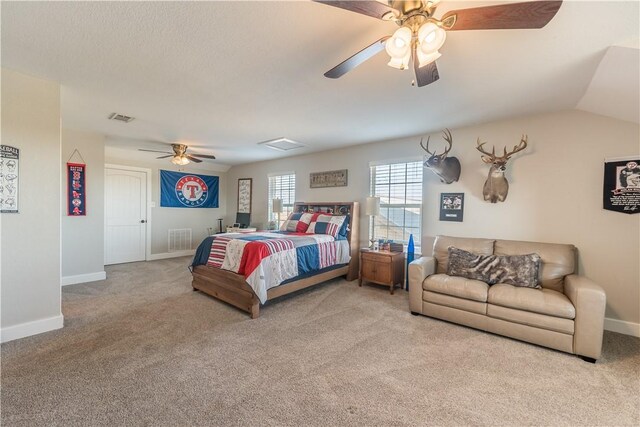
x: 266, y: 259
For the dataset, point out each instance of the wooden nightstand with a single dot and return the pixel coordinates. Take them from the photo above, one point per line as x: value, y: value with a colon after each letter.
x: 382, y: 267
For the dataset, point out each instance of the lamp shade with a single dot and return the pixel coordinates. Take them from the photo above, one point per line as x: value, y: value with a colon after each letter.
x: 276, y: 205
x: 372, y: 207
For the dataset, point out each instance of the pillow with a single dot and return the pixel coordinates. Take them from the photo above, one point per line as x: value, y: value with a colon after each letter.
x: 297, y: 222
x: 516, y: 270
x: 326, y: 224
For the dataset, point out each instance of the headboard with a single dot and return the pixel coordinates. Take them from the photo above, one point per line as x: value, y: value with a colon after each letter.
x: 340, y: 208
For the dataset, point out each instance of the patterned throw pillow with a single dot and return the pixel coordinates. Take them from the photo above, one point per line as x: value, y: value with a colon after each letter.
x: 297, y: 222
x: 326, y: 224
x: 516, y: 270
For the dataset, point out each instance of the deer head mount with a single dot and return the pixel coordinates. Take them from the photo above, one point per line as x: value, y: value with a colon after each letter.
x: 447, y: 168
x: 496, y: 187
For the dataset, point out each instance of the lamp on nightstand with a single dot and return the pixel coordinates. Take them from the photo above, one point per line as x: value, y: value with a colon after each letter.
x: 276, y: 207
x: 372, y: 208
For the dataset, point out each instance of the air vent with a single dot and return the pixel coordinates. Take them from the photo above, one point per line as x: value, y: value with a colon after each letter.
x: 281, y: 144
x: 120, y: 117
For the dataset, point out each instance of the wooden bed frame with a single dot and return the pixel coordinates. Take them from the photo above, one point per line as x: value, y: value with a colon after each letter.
x: 233, y: 289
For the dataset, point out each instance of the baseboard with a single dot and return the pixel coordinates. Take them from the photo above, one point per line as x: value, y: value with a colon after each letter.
x: 34, y: 327
x: 155, y: 257
x: 83, y: 278
x: 622, y: 327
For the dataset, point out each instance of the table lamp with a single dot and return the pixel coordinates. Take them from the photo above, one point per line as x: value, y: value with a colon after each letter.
x: 276, y: 207
x: 372, y: 208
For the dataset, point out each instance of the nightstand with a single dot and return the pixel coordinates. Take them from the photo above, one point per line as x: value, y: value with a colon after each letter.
x: 382, y: 267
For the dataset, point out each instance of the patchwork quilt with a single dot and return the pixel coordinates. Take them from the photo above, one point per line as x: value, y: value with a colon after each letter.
x: 266, y: 259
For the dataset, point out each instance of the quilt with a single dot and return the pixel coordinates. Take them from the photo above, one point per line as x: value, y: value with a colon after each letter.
x: 266, y: 259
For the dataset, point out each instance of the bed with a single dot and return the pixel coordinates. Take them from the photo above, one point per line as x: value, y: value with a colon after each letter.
x: 222, y: 269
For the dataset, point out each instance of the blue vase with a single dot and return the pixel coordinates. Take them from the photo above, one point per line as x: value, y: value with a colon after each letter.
x: 410, y: 255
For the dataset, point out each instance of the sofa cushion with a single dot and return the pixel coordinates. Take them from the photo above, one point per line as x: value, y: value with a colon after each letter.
x: 542, y: 321
x: 543, y: 301
x: 455, y: 302
x: 558, y: 260
x: 456, y: 286
x: 517, y: 270
x: 442, y: 243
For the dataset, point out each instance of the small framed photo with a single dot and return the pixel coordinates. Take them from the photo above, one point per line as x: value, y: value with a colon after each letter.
x: 451, y: 206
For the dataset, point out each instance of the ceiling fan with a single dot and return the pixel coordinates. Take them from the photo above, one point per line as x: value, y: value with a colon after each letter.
x: 180, y: 156
x: 421, y: 34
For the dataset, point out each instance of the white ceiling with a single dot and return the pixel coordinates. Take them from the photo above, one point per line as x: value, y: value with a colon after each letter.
x: 223, y: 76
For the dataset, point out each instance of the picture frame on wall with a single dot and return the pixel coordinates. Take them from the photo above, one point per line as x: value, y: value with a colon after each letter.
x: 451, y: 207
x: 244, y: 195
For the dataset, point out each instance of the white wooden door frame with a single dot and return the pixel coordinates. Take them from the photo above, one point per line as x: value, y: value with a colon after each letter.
x: 147, y: 232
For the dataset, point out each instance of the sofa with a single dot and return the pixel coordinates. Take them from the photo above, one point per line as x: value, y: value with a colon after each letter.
x: 566, y: 313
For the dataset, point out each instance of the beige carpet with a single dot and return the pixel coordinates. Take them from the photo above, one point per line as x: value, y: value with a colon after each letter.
x: 142, y: 348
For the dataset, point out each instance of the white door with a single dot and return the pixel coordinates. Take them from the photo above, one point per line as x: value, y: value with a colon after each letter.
x: 125, y: 216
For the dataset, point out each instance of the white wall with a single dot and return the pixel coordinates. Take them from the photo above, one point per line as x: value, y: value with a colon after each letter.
x: 83, y: 236
x: 555, y: 195
x: 163, y: 219
x: 31, y: 238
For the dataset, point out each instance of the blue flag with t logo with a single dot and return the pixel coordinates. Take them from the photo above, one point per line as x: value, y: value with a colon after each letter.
x: 188, y: 190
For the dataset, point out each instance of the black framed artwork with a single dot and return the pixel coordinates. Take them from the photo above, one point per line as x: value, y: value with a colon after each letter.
x: 451, y: 207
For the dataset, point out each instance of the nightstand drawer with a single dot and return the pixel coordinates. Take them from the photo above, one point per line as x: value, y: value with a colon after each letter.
x: 376, y: 257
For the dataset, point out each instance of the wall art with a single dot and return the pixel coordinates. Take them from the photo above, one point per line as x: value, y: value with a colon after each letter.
x: 244, y: 195
x: 9, y: 178
x: 451, y: 207
x: 329, y: 179
x: 621, y: 191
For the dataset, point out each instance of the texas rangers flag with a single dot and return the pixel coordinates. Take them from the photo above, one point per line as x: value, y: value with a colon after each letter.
x: 188, y: 190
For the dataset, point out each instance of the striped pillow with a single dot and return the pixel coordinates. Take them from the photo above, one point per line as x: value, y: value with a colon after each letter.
x: 326, y: 224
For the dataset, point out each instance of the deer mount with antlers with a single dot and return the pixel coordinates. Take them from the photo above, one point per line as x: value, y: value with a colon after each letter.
x: 496, y: 187
x: 447, y: 168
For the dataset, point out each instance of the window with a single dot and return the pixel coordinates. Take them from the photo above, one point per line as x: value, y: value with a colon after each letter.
x: 282, y: 186
x: 399, y: 186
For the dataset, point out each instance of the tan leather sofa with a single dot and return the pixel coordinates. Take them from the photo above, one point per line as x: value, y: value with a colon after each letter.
x: 567, y: 314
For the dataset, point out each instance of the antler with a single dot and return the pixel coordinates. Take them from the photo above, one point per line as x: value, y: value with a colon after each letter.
x: 521, y: 146
x: 427, y: 147
x: 446, y: 134
x: 480, y: 149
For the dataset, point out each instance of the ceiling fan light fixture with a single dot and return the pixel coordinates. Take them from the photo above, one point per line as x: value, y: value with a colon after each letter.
x: 427, y: 58
x: 399, y: 45
x: 400, y: 63
x: 180, y: 160
x: 431, y: 37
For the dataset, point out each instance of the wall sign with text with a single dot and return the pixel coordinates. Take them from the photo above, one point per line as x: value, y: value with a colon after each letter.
x: 9, y: 177
x: 76, y: 189
x: 622, y: 185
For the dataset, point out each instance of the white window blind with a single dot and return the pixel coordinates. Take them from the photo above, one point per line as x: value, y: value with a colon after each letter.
x: 283, y: 187
x: 399, y: 186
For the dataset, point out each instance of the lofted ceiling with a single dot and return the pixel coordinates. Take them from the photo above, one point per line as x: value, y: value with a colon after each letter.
x: 223, y: 76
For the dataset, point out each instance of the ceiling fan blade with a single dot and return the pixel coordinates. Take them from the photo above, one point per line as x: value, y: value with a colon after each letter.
x: 533, y: 14
x: 193, y: 159
x: 365, y: 7
x: 426, y: 74
x: 164, y: 157
x: 204, y: 156
x: 154, y: 151
x: 357, y: 59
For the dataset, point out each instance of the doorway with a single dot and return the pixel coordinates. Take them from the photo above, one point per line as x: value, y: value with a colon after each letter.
x: 126, y: 216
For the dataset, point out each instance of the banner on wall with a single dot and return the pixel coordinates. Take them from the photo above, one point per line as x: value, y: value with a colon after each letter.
x: 9, y: 177
x: 76, y: 189
x: 622, y: 185
x: 188, y: 190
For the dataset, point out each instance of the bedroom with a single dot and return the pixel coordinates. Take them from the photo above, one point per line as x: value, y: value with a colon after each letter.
x: 117, y: 342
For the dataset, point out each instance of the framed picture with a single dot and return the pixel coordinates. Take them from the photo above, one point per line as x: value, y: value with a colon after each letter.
x: 451, y: 206
x: 328, y: 179
x: 244, y: 195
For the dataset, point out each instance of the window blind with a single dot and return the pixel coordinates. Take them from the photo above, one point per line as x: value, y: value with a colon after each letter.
x: 282, y: 187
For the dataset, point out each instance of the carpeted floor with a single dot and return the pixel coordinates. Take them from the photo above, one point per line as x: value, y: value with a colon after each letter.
x: 142, y: 348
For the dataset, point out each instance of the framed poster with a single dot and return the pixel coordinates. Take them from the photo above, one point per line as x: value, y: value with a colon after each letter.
x: 621, y: 191
x: 9, y: 177
x: 328, y: 179
x: 451, y: 206
x: 244, y: 195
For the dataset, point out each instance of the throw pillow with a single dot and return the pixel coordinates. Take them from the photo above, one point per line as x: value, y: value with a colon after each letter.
x: 326, y: 224
x: 516, y: 270
x: 296, y: 222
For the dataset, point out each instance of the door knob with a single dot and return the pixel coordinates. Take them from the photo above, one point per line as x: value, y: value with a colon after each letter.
x: 142, y: 221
